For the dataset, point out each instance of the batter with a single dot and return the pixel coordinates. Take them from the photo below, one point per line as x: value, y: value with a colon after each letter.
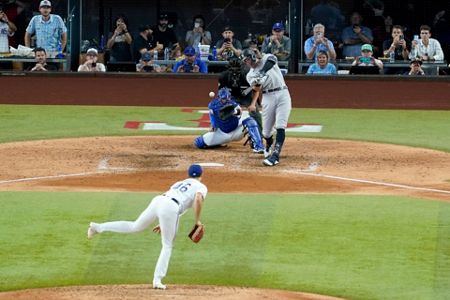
x: 267, y: 81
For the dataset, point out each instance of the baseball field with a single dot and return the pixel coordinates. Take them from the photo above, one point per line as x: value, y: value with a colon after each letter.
x: 357, y: 210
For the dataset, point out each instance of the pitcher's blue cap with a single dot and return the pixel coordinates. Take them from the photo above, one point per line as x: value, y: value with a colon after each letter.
x: 195, y: 171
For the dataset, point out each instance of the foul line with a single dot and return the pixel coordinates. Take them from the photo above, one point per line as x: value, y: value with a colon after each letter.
x: 48, y: 177
x: 408, y: 187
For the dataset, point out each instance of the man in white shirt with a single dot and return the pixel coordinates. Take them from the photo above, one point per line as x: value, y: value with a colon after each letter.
x: 426, y: 49
x: 167, y: 208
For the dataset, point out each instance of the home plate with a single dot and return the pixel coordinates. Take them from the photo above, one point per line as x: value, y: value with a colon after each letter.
x: 210, y: 164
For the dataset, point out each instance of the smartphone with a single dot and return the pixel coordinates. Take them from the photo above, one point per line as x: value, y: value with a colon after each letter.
x: 402, y: 37
x: 226, y: 40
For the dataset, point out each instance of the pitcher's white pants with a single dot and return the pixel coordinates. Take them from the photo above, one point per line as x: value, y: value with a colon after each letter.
x: 167, y: 212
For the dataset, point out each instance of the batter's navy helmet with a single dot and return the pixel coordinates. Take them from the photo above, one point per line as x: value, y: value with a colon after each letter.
x: 224, y: 93
x: 248, y: 53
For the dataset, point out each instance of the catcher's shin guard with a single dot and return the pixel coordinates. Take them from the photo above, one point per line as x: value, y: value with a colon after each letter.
x: 253, y: 132
x: 199, y: 142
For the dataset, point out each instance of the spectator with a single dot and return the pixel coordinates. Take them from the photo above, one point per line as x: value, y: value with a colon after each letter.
x: 15, y: 10
x: 277, y: 44
x: 7, y: 29
x: 40, y: 56
x: 327, y: 12
x: 198, y: 35
x: 426, y: 48
x: 319, y: 43
x: 91, y: 64
x: 396, y: 44
x: 416, y: 68
x: 164, y: 35
x: 228, y: 47
x: 146, y: 64
x: 49, y: 29
x: 354, y: 36
x: 322, y: 66
x: 366, y: 58
x: 190, y: 64
x: 120, y: 41
x: 144, y: 42
x: 253, y: 44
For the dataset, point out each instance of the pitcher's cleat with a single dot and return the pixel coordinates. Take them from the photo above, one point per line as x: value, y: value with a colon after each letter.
x: 91, y: 231
x: 159, y: 286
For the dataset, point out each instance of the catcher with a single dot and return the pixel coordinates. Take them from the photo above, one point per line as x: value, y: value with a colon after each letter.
x: 167, y: 208
x: 235, y: 79
x: 227, y: 124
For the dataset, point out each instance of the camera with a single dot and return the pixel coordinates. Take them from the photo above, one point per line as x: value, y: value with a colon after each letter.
x: 401, y: 37
x: 354, y: 25
x: 94, y: 65
x: 226, y: 40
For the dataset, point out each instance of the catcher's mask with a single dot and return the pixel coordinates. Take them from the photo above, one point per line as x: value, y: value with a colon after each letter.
x: 234, y: 64
x: 248, y: 54
x: 224, y: 94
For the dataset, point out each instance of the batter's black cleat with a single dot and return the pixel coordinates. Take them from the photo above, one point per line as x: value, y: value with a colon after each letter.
x: 271, y: 161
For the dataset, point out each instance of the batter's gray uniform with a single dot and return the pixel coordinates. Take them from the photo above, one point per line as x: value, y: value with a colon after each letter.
x: 276, y: 102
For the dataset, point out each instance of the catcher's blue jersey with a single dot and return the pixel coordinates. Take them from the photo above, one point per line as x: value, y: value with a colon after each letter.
x: 227, y: 125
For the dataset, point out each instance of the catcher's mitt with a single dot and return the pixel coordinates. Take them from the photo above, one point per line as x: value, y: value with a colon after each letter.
x: 226, y: 111
x: 196, y: 233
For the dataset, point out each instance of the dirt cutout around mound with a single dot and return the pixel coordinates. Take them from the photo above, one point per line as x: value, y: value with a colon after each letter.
x: 153, y: 163
x: 175, y: 292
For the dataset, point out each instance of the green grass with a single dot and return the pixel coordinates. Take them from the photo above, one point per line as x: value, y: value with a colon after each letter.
x: 428, y: 129
x: 357, y: 247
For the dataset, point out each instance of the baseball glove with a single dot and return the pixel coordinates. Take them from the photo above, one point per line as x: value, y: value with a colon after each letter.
x: 196, y: 233
x: 226, y: 111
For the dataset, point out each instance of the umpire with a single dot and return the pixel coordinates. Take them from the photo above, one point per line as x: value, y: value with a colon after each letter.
x: 235, y: 79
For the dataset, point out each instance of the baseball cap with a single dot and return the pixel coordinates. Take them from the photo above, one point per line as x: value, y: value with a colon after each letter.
x: 92, y: 51
x: 416, y: 61
x: 189, y: 51
x: 146, y: 56
x: 195, y: 171
x: 45, y: 3
x: 366, y: 47
x: 278, y: 26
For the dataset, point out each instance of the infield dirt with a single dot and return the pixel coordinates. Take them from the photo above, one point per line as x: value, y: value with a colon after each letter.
x: 152, y: 163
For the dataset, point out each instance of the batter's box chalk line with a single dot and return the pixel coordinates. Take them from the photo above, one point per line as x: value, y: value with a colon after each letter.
x: 103, y: 166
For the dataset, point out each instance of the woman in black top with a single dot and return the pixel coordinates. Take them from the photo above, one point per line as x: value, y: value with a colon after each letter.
x: 120, y: 41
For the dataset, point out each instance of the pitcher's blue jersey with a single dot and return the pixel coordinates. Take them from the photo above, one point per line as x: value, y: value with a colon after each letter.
x: 227, y: 125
